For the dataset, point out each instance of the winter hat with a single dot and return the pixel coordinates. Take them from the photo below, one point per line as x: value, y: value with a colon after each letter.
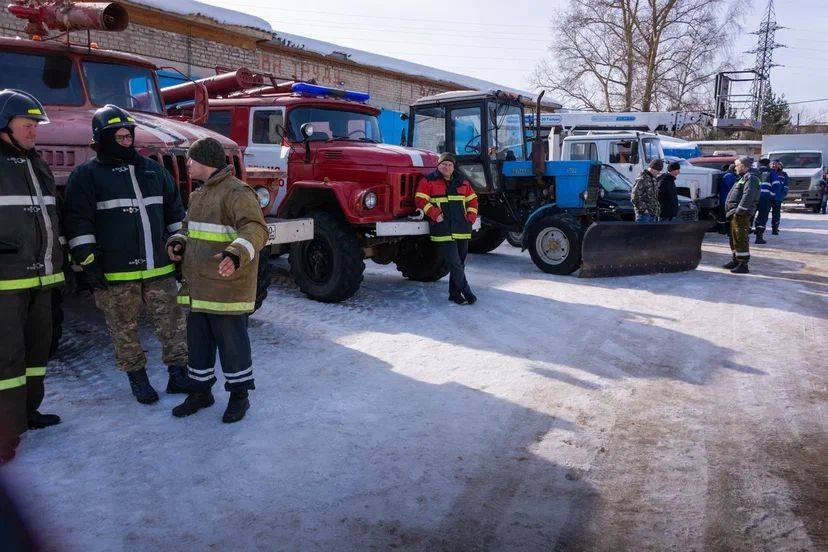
x: 674, y: 166
x: 447, y: 156
x: 657, y: 164
x: 207, y: 151
x: 764, y: 162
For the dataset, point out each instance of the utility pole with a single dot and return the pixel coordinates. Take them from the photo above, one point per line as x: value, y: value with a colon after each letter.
x: 765, y: 46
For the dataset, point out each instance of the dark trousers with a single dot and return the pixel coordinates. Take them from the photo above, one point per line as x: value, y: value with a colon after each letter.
x: 226, y: 333
x: 454, y: 254
x: 740, y: 237
x: 762, y: 214
x: 776, y: 213
x: 25, y: 340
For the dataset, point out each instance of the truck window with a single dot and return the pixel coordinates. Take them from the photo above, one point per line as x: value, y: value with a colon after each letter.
x: 651, y: 149
x: 50, y: 79
x: 127, y: 86
x: 430, y: 129
x: 799, y: 160
x: 623, y: 151
x: 219, y: 121
x: 466, y: 125
x: 266, y: 126
x: 333, y: 124
x: 584, y: 151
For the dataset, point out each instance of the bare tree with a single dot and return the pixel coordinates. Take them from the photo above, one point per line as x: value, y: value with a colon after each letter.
x: 639, y: 55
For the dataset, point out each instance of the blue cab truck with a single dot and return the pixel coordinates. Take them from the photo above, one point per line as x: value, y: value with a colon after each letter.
x: 552, y: 205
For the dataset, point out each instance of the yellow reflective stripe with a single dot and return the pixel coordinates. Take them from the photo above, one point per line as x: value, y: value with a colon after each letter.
x: 26, y: 283
x: 88, y: 260
x: 441, y: 238
x: 456, y: 198
x: 139, y: 274
x: 34, y: 111
x: 471, y: 210
x: 183, y: 299
x: 222, y: 307
x: 35, y: 371
x: 471, y: 197
x: 427, y: 207
x: 113, y: 120
x: 461, y: 236
x: 422, y: 195
x: 212, y: 236
x: 439, y: 200
x: 11, y: 383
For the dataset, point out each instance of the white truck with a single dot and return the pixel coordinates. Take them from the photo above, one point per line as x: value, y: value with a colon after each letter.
x: 805, y: 158
x: 628, y: 142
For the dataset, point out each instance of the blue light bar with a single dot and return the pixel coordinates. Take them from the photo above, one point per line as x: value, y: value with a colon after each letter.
x: 316, y: 90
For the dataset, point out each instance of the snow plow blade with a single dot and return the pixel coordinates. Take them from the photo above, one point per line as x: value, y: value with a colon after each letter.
x: 628, y: 248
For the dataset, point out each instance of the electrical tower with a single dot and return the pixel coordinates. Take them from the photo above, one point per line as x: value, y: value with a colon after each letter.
x: 765, y: 46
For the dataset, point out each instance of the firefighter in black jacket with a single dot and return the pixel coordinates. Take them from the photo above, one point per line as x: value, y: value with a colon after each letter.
x: 31, y: 261
x: 120, y: 208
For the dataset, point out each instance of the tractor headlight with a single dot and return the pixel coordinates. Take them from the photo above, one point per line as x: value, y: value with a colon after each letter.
x: 264, y: 196
x: 369, y: 200
x: 584, y: 195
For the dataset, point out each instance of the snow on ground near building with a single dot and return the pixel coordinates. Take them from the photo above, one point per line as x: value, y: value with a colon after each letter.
x: 676, y: 411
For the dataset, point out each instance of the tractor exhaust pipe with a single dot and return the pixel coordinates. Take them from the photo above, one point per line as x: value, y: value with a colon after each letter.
x: 538, y: 161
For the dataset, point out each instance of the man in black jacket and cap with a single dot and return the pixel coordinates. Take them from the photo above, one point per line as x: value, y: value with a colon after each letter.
x: 667, y: 195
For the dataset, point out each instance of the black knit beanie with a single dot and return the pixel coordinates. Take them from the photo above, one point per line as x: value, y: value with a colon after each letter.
x: 208, y: 151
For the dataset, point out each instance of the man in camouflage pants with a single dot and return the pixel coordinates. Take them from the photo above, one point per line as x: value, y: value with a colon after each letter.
x: 120, y: 206
x: 740, y: 206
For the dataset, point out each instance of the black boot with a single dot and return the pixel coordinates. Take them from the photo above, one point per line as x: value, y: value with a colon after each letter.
x: 236, y: 407
x: 471, y: 298
x: 775, y: 231
x: 741, y: 268
x: 457, y: 298
x: 193, y: 403
x: 732, y: 264
x: 141, y: 388
x: 39, y: 421
x: 759, y: 239
x: 178, y: 381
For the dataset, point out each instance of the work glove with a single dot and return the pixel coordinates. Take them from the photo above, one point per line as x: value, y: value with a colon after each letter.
x: 94, y: 274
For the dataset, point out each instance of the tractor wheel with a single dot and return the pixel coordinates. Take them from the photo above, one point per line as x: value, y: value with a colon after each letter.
x: 555, y: 244
x: 515, y: 239
x: 486, y: 239
x: 419, y: 259
x: 263, y: 276
x: 329, y: 267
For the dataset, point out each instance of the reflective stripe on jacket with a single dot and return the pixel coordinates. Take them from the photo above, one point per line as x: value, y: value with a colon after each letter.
x: 223, y: 215
x: 30, y: 250
x: 122, y: 213
x: 456, y: 200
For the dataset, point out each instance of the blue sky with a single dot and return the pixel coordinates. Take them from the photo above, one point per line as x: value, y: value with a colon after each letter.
x: 503, y: 41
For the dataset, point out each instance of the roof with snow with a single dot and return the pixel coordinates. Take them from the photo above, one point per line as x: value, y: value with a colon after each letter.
x: 219, y: 15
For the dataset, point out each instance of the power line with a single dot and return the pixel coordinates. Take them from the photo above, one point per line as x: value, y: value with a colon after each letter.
x: 808, y: 101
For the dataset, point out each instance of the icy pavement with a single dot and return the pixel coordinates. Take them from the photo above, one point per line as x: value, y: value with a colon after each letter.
x: 677, y: 411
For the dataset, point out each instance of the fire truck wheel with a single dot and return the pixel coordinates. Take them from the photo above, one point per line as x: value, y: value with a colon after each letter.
x: 486, y: 239
x: 419, y: 259
x: 329, y: 267
x: 263, y: 276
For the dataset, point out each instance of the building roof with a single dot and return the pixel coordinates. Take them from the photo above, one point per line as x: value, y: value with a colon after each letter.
x: 221, y: 16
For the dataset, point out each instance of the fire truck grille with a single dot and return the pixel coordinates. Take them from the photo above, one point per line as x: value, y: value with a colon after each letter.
x: 58, y: 157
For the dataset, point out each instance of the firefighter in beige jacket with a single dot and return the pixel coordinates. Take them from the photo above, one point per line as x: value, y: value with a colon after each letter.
x: 218, y: 245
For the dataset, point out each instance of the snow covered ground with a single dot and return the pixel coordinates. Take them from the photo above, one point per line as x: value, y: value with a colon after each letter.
x: 680, y: 411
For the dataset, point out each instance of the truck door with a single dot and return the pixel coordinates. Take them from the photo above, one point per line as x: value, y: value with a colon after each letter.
x: 469, y: 143
x: 264, y: 140
x: 624, y: 156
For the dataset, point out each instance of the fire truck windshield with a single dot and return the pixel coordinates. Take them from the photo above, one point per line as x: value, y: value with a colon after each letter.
x: 334, y: 124
x: 52, y: 79
x: 128, y: 86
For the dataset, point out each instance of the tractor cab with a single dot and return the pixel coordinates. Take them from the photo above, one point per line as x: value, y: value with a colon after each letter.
x: 483, y: 129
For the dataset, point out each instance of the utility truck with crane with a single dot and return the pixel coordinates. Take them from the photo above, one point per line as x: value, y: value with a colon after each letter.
x: 552, y: 205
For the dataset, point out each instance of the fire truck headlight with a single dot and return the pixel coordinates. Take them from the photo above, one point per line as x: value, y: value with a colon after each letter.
x: 264, y: 196
x: 369, y: 200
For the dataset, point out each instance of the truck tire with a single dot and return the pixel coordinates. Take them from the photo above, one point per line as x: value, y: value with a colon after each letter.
x: 515, y: 239
x: 329, y: 267
x: 486, y: 240
x: 555, y: 244
x: 263, y: 276
x: 816, y: 208
x: 419, y: 260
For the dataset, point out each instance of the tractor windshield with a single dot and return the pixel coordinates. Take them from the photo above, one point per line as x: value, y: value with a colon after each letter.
x: 52, y: 79
x: 130, y: 87
x: 506, y: 132
x: 334, y: 124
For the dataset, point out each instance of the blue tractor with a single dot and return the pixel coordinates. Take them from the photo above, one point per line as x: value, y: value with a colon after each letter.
x: 553, y: 206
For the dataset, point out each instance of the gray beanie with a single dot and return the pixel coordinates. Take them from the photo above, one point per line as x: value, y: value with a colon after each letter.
x: 208, y: 151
